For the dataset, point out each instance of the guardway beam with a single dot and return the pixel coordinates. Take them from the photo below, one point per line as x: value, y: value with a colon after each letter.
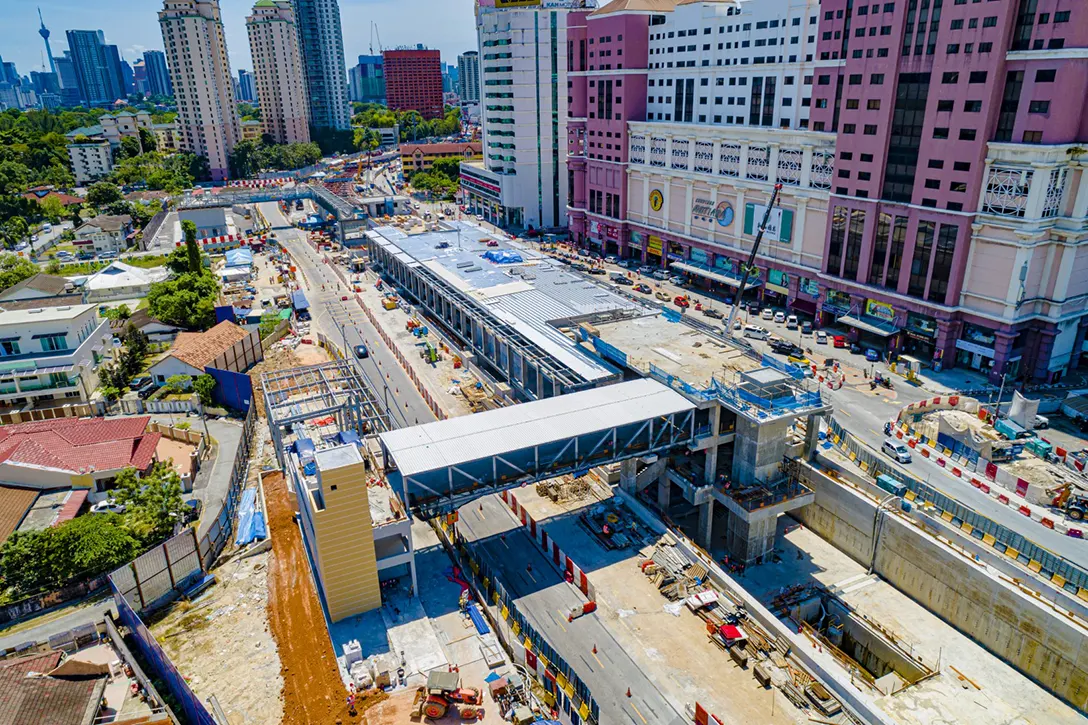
x: 440, y: 466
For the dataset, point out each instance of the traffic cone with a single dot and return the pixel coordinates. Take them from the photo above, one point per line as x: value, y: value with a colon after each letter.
x: 594, y: 649
x: 628, y: 691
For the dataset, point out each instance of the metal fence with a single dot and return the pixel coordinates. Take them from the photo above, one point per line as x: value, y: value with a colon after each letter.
x: 553, y: 672
x: 1004, y: 540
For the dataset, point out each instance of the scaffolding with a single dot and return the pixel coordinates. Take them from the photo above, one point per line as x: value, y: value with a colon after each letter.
x: 335, y: 389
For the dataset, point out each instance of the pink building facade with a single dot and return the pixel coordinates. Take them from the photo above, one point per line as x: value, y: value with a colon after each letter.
x: 278, y: 71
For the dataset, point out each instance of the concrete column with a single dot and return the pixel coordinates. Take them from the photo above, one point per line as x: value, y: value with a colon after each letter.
x: 690, y: 191
x: 1080, y: 204
x: 806, y: 166
x: 742, y: 172
x: 812, y: 435
x: 716, y: 163
x: 1040, y: 179
x: 628, y: 470
x: 772, y: 163
x: 705, y: 533
x: 664, y: 491
x: 758, y: 448
x: 711, y: 465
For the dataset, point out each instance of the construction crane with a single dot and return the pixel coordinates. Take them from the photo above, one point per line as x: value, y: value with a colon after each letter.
x: 373, y: 32
x: 751, y: 259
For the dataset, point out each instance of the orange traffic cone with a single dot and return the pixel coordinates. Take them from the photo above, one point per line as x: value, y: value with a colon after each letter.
x: 594, y: 649
x: 628, y: 691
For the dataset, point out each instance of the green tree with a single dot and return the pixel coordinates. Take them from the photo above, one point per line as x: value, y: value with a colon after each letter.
x: 178, y: 383
x: 103, y: 193
x: 152, y: 501
x: 187, y: 301
x: 52, y: 209
x: 14, y: 269
x: 14, y: 230
x: 130, y: 148
x: 117, y: 313
x: 449, y: 167
x: 148, y: 140
x: 245, y: 159
x: 53, y: 266
x: 204, y: 385
x: 192, y: 249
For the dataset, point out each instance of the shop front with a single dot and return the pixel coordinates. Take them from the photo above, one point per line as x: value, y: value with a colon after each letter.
x: 921, y: 337
x: 835, y: 304
x: 776, y: 291
x: 720, y: 280
x: 604, y: 237
x: 873, y: 325
x: 808, y: 292
x: 975, y: 348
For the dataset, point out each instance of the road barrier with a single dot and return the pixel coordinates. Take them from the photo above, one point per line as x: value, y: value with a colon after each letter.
x: 1059, y: 570
x: 521, y: 639
x: 570, y: 571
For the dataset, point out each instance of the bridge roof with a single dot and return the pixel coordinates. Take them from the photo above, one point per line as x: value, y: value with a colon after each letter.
x: 439, y: 445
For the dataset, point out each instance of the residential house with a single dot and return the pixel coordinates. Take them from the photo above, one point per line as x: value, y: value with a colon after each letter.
x: 251, y: 130
x: 104, y: 233
x: 224, y: 347
x: 51, y: 354
x: 41, y: 193
x: 37, y: 287
x: 420, y: 157
x: 120, y: 281
x: 156, y: 330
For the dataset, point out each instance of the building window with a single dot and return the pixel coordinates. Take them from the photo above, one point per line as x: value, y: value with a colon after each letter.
x: 838, y: 236
x: 942, y: 263
x: 1044, y: 76
x: 873, y: 104
x: 919, y: 267
x: 870, y: 129
x: 940, y: 132
x: 1033, y: 137
x: 1039, y: 107
x: 967, y: 134
x: 855, y: 233
x: 972, y: 106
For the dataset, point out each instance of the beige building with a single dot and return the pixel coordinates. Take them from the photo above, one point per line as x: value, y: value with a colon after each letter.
x: 196, y: 52
x: 124, y: 124
x: 251, y: 130
x: 104, y: 233
x: 90, y: 160
x: 277, y: 68
x: 167, y: 136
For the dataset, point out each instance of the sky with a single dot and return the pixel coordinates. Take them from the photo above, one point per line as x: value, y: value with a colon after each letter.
x: 132, y: 25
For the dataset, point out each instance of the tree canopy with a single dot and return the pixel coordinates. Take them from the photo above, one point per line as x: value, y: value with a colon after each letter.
x: 187, y: 300
x: 251, y: 157
x: 14, y: 269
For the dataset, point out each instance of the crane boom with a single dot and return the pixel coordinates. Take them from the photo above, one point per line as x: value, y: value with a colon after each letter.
x: 751, y: 259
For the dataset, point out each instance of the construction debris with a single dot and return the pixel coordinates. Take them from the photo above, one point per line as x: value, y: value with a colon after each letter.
x: 564, y: 489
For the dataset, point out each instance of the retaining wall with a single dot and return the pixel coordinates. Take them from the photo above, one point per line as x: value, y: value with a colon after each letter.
x: 1040, y: 641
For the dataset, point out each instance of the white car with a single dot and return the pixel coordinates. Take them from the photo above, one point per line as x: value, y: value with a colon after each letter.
x: 791, y: 322
x: 897, y: 450
x: 821, y: 337
x: 767, y: 313
x: 779, y: 317
x: 756, y: 332
x: 479, y: 217
x: 109, y: 506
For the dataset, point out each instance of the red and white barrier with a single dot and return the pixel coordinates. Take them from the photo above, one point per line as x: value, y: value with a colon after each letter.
x: 571, y: 571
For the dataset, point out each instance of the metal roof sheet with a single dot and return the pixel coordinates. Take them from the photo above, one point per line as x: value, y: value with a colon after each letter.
x: 452, y: 442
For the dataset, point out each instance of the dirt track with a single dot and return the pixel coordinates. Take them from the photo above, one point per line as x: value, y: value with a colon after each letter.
x: 313, y: 693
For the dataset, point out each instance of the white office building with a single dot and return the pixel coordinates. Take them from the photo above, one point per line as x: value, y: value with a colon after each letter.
x: 522, y: 180
x: 744, y: 63
x: 91, y: 160
x: 51, y: 353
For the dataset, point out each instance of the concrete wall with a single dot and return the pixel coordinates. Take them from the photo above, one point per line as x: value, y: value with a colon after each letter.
x: 1036, y: 638
x: 345, y: 536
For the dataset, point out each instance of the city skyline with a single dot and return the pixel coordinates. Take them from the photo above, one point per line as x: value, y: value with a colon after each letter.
x: 451, y: 29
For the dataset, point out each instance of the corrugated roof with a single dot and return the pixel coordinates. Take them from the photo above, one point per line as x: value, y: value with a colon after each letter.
x: 14, y: 503
x: 436, y: 446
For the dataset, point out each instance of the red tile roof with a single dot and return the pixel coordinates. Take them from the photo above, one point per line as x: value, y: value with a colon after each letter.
x: 66, y: 199
x: 71, y: 506
x: 14, y: 503
x: 46, y: 700
x: 80, y: 444
x: 198, y: 349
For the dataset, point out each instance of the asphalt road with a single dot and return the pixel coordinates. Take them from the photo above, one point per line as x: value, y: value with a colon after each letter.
x: 544, y: 598
x: 344, y: 321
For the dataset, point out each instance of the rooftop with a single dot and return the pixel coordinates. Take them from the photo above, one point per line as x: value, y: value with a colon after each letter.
x: 199, y: 349
x: 107, y: 222
x: 473, y: 147
x: 14, y: 503
x: 47, y: 700
x: 47, y: 284
x: 455, y: 441
x: 39, y: 315
x: 527, y: 294
x: 643, y: 6
x: 119, y: 274
x: 79, y: 445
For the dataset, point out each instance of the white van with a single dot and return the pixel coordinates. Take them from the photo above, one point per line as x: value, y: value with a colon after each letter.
x: 755, y: 332
x: 896, y: 449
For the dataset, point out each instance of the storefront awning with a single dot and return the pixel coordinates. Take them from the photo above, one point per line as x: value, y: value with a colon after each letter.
x: 721, y: 278
x: 867, y: 323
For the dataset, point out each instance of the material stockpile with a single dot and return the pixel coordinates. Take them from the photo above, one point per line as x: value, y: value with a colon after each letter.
x: 612, y: 525
x: 564, y: 489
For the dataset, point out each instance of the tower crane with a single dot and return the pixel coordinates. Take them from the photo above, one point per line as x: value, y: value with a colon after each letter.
x: 373, y: 32
x: 751, y: 260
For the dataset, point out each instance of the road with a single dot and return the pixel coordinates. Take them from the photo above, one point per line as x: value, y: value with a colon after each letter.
x: 344, y: 321
x: 79, y: 615
x: 46, y: 239
x: 544, y: 598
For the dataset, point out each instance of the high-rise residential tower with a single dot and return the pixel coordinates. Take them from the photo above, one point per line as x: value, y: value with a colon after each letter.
x: 468, y: 76
x: 70, y: 93
x: 97, y: 66
x: 158, y: 74
x: 321, y: 41
x: 413, y: 81
x: 196, y: 52
x: 277, y: 68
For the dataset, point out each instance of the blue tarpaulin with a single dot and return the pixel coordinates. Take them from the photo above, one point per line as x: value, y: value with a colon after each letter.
x: 477, y: 619
x: 349, y: 436
x: 239, y: 258
x: 503, y: 256
x: 251, y: 525
x: 299, y: 301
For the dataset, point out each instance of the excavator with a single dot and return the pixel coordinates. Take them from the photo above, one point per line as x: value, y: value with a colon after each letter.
x: 1072, y: 501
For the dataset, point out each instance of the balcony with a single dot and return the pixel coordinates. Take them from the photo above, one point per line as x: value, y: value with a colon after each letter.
x: 29, y: 386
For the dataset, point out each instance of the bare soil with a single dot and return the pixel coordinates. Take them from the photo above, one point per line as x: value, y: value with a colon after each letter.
x: 313, y: 693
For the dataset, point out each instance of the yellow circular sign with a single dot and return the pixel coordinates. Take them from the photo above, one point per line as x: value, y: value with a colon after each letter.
x: 657, y: 200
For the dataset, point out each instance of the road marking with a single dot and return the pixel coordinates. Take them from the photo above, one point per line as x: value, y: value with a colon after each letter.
x: 597, y: 658
x: 876, y: 431
x: 639, y: 714
x: 561, y: 618
x: 844, y: 413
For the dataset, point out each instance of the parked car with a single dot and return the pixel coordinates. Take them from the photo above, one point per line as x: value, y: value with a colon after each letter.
x: 737, y: 326
x: 678, y: 280
x: 1041, y: 421
x: 139, y: 381
x: 780, y: 317
x: 681, y: 301
x: 791, y: 322
x: 799, y: 360
x: 361, y: 352
x: 755, y: 332
x: 897, y: 450
x: 660, y: 275
x: 821, y: 337
x: 711, y: 312
x: 767, y: 314
x: 785, y: 347
x: 147, y: 389
x: 855, y: 348
x: 107, y: 255
x: 806, y: 328
x: 620, y: 279
x: 645, y: 269
x: 598, y: 270
x: 492, y: 243
x: 109, y: 506
x: 872, y: 355
x: 839, y: 341
x: 611, y: 259
x: 643, y: 288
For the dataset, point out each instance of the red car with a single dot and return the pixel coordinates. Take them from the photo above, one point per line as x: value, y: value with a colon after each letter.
x: 681, y: 301
x: 492, y: 243
x: 306, y: 341
x: 839, y: 341
x: 343, y: 298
